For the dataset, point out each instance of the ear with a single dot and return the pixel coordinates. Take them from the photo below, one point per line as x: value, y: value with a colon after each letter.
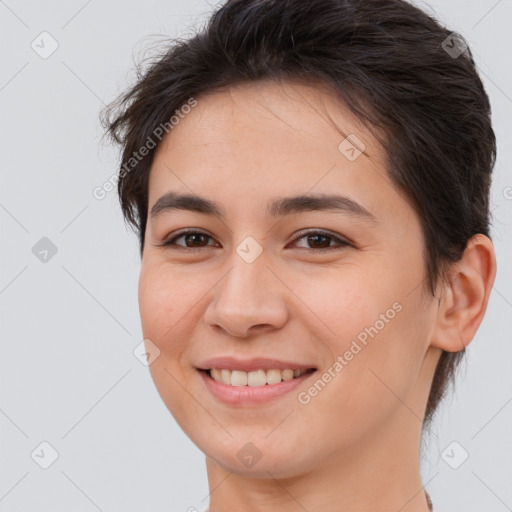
x: 464, y: 299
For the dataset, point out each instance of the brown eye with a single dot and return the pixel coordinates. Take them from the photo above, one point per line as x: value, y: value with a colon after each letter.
x: 317, y: 241
x: 192, y: 239
x: 195, y: 239
x: 320, y: 241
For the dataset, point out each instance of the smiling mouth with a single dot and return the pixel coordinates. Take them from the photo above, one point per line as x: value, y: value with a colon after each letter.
x: 256, y: 378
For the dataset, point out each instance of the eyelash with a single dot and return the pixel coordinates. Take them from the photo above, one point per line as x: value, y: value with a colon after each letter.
x: 302, y: 234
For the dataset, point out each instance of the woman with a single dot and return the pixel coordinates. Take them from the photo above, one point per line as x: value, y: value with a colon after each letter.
x: 310, y: 186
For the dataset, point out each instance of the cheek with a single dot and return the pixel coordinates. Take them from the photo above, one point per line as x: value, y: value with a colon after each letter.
x: 165, y: 314
x: 161, y: 305
x: 378, y: 376
x: 165, y: 295
x: 376, y: 329
x: 339, y: 302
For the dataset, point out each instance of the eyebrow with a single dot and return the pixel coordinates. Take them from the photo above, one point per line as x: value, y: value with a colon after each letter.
x: 278, y: 207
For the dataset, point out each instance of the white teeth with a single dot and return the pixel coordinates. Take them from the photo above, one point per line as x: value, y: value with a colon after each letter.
x: 254, y: 378
x: 273, y: 376
x: 238, y: 378
x: 225, y: 376
x: 216, y: 374
x: 257, y: 378
x: 287, y: 374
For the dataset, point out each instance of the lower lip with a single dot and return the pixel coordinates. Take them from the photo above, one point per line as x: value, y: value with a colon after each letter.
x: 250, y: 395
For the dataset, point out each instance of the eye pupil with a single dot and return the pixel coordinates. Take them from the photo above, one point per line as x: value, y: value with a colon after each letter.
x: 317, y: 237
x: 189, y: 236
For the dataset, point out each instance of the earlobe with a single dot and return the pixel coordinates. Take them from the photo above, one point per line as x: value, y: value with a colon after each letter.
x: 464, y: 298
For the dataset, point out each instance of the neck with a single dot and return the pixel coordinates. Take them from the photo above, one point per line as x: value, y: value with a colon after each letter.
x: 380, y: 473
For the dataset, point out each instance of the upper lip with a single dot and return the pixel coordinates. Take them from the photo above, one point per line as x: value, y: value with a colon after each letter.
x: 247, y: 365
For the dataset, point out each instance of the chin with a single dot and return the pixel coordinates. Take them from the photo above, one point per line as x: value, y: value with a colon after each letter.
x: 257, y: 459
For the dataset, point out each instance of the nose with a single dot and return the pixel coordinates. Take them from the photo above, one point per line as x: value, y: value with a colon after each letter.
x: 248, y: 300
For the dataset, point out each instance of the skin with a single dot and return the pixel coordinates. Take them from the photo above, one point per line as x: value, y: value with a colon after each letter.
x: 355, y: 446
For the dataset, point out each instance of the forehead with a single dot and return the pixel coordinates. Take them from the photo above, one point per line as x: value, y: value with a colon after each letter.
x: 259, y: 140
x: 290, y: 112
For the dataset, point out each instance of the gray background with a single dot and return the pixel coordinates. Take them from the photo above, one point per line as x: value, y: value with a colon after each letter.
x: 70, y: 324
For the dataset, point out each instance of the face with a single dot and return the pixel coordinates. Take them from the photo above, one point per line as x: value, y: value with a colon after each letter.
x: 332, y: 286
